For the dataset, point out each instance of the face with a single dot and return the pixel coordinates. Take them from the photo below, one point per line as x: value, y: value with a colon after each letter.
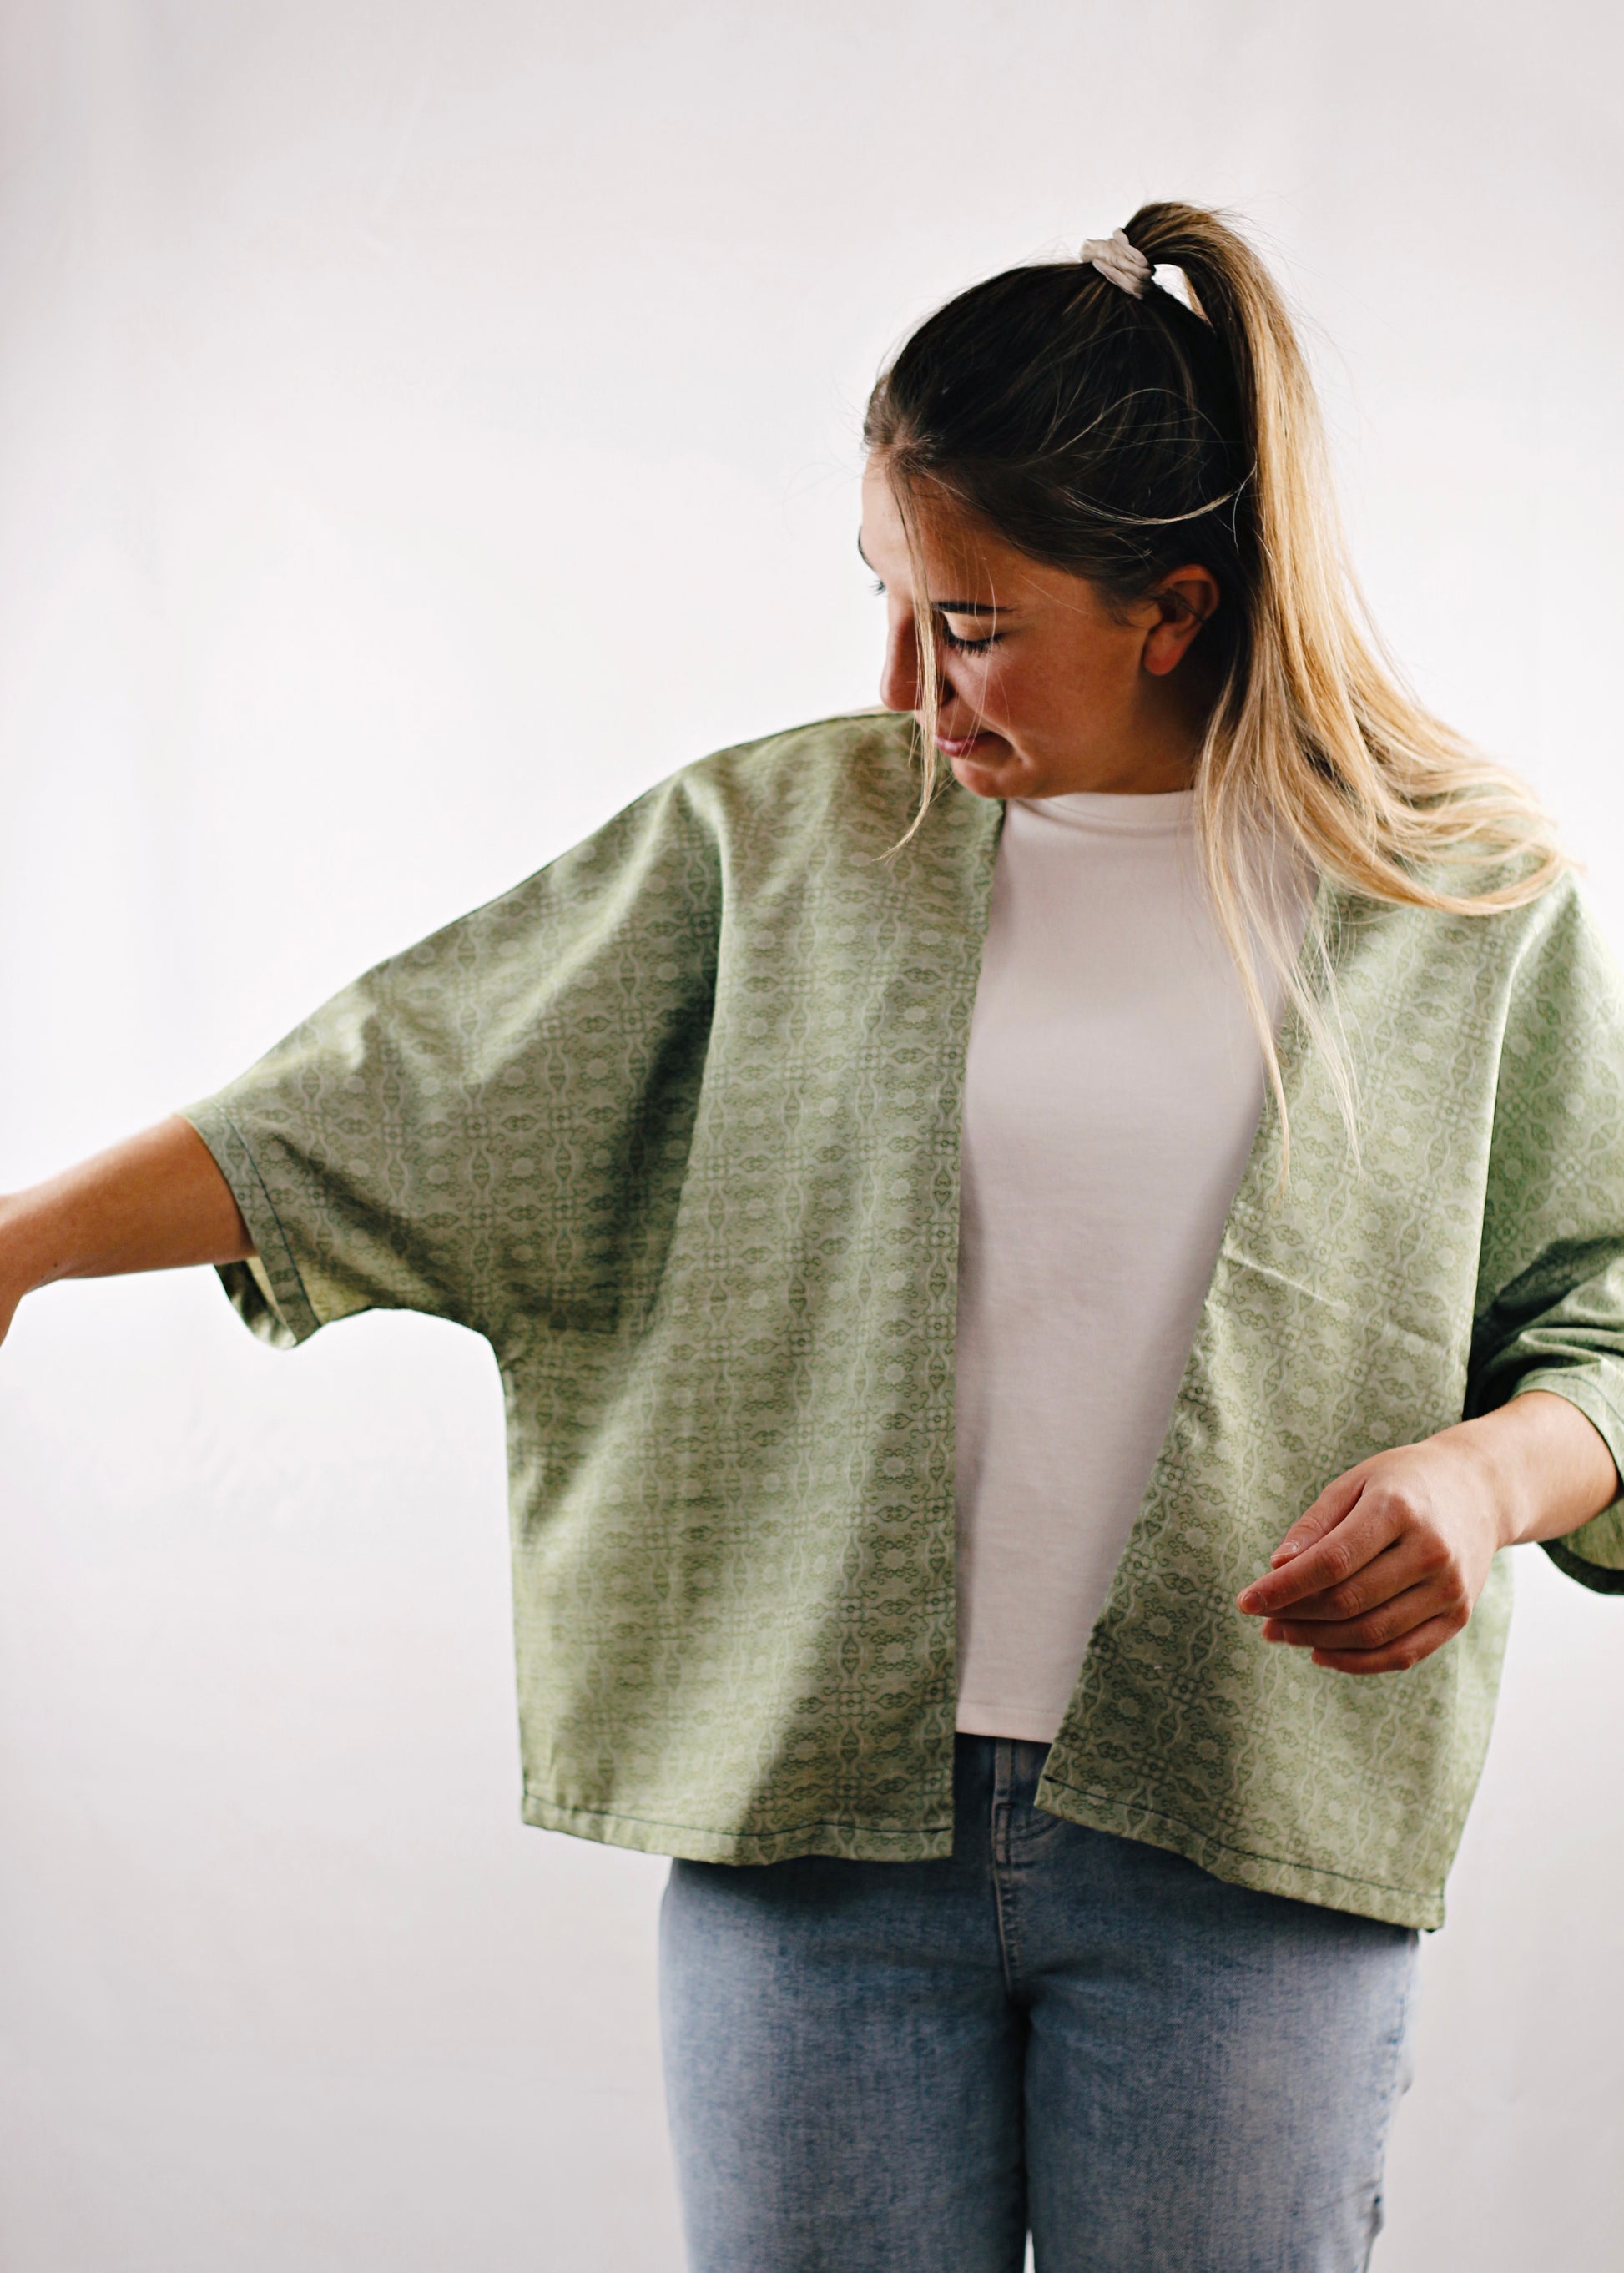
x: 1043, y: 689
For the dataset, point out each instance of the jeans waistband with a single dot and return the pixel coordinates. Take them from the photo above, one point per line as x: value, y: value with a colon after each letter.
x: 1005, y: 1769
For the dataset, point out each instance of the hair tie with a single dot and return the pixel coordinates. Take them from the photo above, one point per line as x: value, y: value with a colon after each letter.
x: 1123, y: 263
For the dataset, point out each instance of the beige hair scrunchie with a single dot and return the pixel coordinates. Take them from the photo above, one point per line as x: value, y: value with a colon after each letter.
x: 1123, y: 263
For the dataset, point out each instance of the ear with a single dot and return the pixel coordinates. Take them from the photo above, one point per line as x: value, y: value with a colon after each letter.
x: 1184, y: 601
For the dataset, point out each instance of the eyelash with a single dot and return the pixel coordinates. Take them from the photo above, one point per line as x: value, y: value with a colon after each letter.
x: 958, y: 646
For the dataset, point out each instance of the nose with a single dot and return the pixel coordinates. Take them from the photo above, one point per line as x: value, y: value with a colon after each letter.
x: 899, y: 673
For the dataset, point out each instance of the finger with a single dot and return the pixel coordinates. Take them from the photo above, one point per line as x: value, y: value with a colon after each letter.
x: 1373, y: 1524
x: 1398, y: 1657
x: 1409, y: 1562
x: 1415, y: 1607
x: 1334, y: 1502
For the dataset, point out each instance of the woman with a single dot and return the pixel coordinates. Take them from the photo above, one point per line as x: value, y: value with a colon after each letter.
x: 1028, y: 1314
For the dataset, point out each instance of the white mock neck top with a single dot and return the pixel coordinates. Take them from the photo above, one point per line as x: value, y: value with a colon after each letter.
x: 1113, y: 1091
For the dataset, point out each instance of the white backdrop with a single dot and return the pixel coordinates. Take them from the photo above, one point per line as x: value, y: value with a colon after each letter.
x: 421, y: 427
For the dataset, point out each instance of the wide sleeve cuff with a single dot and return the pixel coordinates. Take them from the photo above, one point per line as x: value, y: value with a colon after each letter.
x: 267, y: 1293
x: 1593, y: 1554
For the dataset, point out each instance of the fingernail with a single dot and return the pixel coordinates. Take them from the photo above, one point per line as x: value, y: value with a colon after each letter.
x: 1249, y: 1600
x: 1284, y: 1552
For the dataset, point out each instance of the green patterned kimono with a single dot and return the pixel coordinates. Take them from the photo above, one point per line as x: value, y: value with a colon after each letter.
x: 674, y: 1125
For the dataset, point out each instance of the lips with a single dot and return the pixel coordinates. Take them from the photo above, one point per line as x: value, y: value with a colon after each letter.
x: 961, y: 746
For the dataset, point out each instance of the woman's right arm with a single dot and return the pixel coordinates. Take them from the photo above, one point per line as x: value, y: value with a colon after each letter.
x: 154, y: 1203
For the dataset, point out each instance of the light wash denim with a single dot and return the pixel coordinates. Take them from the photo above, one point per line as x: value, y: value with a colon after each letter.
x: 897, y: 2068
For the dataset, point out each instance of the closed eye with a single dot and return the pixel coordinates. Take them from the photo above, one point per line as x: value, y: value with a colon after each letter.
x: 951, y: 638
x: 969, y: 647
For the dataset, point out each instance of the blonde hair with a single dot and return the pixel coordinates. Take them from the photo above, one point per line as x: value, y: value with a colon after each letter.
x: 1120, y: 437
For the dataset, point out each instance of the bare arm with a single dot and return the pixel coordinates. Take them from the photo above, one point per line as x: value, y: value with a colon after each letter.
x: 154, y: 1203
x: 1389, y: 1560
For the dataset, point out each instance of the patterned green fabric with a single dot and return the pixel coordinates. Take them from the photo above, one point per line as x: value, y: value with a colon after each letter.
x: 675, y: 1125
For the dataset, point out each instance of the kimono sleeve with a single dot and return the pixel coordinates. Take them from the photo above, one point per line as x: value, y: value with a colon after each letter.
x: 1551, y: 1283
x: 464, y: 1129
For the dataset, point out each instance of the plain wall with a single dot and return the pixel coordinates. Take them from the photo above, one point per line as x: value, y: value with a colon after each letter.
x: 422, y: 427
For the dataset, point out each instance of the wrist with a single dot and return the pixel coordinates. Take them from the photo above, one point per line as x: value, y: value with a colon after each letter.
x: 14, y: 1280
x: 1494, y: 1446
x: 23, y: 1263
x: 1543, y: 1469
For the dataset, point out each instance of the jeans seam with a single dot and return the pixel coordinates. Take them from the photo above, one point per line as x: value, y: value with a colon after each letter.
x: 1397, y: 2083
x: 998, y: 1844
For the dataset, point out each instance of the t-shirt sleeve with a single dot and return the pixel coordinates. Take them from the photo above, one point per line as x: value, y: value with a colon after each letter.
x: 468, y: 1124
x: 1551, y: 1281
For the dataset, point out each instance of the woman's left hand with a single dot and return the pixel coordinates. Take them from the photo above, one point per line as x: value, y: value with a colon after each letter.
x: 1388, y: 1562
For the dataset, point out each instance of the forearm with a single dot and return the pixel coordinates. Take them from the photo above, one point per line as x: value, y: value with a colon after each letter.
x: 1546, y: 1464
x: 157, y: 1202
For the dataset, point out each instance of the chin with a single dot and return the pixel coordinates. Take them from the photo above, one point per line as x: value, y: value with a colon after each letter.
x: 991, y: 768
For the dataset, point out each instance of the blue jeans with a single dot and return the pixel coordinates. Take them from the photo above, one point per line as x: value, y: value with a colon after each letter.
x: 879, y: 2068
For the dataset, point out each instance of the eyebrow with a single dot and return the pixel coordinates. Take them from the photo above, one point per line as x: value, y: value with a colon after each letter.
x: 942, y: 607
